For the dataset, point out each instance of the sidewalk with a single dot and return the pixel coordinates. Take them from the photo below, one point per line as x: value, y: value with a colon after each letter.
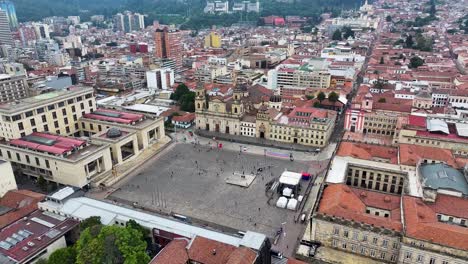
x: 325, y: 154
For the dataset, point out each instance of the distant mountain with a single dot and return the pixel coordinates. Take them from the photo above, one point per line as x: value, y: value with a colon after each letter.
x: 30, y: 10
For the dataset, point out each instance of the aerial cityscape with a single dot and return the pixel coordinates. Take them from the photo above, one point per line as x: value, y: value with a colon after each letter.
x: 233, y: 131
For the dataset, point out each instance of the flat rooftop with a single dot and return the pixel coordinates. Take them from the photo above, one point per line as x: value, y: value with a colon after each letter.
x: 28, y: 236
x: 60, y: 146
x: 42, y: 99
x: 114, y: 116
x: 191, y: 181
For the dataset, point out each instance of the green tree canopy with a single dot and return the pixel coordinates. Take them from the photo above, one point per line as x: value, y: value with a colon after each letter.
x: 388, y: 18
x: 415, y: 62
x: 112, y: 245
x: 89, y: 222
x: 180, y: 91
x: 333, y: 97
x: 337, y: 35
x: 63, y: 256
x: 321, y: 96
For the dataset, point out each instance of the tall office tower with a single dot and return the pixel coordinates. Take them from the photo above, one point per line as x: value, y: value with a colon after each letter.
x: 5, y: 33
x: 9, y: 8
x: 168, y: 46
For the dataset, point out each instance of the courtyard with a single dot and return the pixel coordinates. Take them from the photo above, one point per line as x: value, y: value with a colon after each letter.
x: 190, y: 180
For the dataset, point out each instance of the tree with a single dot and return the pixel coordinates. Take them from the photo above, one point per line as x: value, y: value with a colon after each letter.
x: 187, y: 102
x: 347, y: 32
x: 333, y: 97
x: 321, y: 96
x: 42, y: 183
x: 310, y: 96
x: 316, y: 104
x: 90, y: 222
x: 337, y: 35
x: 134, y: 225
x: 112, y: 245
x: 409, y: 41
x: 382, y: 60
x: 63, y: 256
x: 388, y: 18
x: 180, y: 91
x: 415, y: 62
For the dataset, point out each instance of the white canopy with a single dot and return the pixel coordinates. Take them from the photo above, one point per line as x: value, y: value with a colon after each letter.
x: 290, y: 178
x: 282, y: 202
x: 292, y: 204
x: 287, y: 192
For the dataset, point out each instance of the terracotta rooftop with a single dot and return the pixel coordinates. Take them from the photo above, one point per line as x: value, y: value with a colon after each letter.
x: 21, y: 203
x: 411, y: 154
x: 368, y: 152
x: 422, y: 223
x: 340, y: 200
x: 174, y: 253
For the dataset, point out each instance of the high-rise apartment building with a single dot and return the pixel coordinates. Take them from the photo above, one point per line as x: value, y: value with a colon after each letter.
x: 5, y: 33
x: 168, y: 45
x: 9, y: 8
x: 213, y: 40
x: 128, y: 22
x: 12, y: 87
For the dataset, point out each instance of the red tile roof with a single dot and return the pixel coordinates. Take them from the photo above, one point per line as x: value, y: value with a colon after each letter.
x: 368, y: 152
x: 38, y: 224
x: 188, y: 117
x: 419, y: 121
x: 422, y: 223
x: 174, y: 253
x: 295, y: 261
x: 350, y: 203
x: 23, y: 202
x: 207, y: 251
x: 412, y: 154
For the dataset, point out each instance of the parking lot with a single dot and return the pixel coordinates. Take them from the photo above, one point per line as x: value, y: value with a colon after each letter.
x: 190, y: 180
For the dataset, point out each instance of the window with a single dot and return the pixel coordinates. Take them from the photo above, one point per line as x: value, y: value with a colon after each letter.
x: 51, y: 107
x: 37, y: 162
x: 393, y: 258
x: 64, y: 112
x: 408, y: 255
x: 395, y: 245
x: 47, y: 164
x: 353, y: 247
x: 336, y: 231
x: 334, y: 243
x: 445, y: 262
x: 385, y: 243
x: 29, y: 113
x: 27, y: 159
x: 420, y: 258
x: 20, y: 126
x: 61, y: 104
x: 90, y: 103
x: 372, y: 253
x: 8, y: 154
x: 40, y: 110
x: 33, y: 122
x: 54, y: 115
x: 344, y: 245
x: 364, y: 238
x: 18, y: 157
x: 65, y: 120
x: 44, y: 119
x: 363, y: 250
x: 382, y: 255
x: 374, y: 240
x: 346, y: 233
x: 432, y: 261
x: 46, y: 128
x: 355, y: 235
x: 70, y: 101
x: 73, y: 109
x: 81, y: 106
x: 56, y: 124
